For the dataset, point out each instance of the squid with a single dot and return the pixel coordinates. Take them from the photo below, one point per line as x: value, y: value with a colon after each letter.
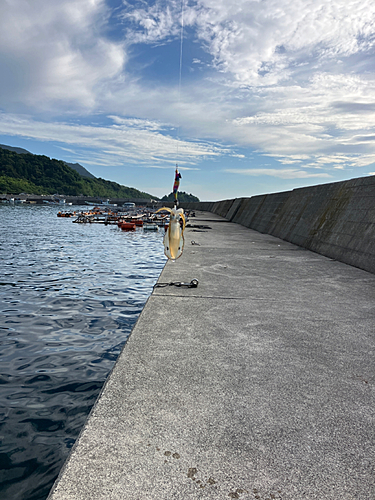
x: 174, y: 237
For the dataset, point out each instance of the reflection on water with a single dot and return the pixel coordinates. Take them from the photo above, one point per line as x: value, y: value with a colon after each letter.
x: 69, y: 297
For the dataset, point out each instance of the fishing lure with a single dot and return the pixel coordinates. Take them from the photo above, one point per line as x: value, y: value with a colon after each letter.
x: 174, y: 237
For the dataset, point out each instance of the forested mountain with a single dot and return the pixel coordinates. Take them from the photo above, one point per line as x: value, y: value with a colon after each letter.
x: 81, y: 170
x: 182, y: 196
x: 14, y: 149
x: 36, y: 174
x: 75, y: 166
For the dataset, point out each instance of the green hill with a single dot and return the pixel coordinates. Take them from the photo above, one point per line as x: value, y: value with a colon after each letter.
x: 182, y: 196
x: 81, y: 170
x: 75, y: 166
x: 36, y: 174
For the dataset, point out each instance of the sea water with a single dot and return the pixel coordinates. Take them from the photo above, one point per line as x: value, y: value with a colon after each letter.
x: 69, y: 297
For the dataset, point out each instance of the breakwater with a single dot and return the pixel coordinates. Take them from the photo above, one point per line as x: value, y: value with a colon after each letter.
x: 336, y: 220
x: 257, y: 384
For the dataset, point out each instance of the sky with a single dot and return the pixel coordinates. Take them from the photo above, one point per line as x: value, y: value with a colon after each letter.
x: 246, y: 96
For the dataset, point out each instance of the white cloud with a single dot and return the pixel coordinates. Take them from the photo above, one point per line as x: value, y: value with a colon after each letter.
x: 114, y: 145
x: 292, y: 77
x: 291, y: 80
x: 54, y: 52
x: 151, y: 23
x: 286, y: 173
x: 269, y: 41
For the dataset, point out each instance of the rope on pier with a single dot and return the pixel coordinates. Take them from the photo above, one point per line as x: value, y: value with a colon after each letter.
x: 193, y: 284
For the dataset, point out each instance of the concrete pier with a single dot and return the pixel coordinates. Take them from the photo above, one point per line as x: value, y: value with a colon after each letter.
x: 257, y: 384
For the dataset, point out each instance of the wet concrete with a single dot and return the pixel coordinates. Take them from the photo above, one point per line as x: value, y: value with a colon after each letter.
x: 257, y: 384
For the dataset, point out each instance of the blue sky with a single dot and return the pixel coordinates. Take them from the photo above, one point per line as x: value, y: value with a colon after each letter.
x: 268, y: 96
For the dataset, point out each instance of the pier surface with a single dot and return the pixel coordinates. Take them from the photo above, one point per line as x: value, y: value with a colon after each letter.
x: 257, y: 384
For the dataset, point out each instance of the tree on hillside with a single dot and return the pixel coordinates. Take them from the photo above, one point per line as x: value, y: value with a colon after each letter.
x: 182, y: 196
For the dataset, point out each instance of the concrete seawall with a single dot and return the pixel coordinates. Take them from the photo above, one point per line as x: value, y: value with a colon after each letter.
x: 256, y: 385
x: 336, y: 220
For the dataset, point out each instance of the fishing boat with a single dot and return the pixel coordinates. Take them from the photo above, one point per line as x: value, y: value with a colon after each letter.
x: 101, y: 204
x: 129, y: 205
x: 127, y: 226
x: 66, y: 214
x: 150, y: 226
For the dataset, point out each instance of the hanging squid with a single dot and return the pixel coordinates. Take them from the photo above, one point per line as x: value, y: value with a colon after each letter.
x: 174, y: 237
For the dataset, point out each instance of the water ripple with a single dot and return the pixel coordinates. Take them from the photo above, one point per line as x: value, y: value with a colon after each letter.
x: 69, y: 297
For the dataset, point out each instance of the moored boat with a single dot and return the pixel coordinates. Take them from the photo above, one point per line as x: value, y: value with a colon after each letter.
x: 150, y: 226
x: 127, y: 226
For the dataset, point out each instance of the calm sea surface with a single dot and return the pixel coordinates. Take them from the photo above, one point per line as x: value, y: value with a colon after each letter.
x: 69, y: 297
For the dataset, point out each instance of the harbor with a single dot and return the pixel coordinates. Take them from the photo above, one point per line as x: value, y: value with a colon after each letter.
x: 208, y: 341
x: 141, y: 217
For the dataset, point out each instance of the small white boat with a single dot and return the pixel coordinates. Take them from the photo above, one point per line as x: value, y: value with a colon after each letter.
x: 150, y: 226
x: 101, y: 204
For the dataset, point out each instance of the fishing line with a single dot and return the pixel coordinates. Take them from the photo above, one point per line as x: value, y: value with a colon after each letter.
x: 180, y: 70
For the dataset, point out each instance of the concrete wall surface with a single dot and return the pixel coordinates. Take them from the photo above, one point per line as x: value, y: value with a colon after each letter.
x: 336, y: 220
